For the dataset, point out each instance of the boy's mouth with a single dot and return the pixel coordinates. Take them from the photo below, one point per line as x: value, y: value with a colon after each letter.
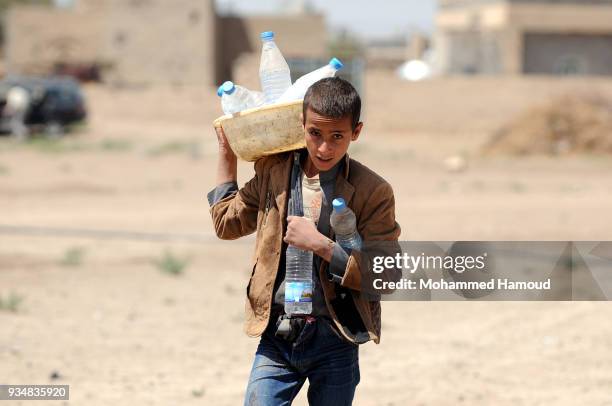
x: 324, y: 160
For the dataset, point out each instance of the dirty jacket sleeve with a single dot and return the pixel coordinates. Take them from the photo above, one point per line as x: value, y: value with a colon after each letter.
x: 234, y: 213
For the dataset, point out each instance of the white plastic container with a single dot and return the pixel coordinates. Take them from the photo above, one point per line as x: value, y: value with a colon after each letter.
x: 299, y: 88
x: 274, y: 72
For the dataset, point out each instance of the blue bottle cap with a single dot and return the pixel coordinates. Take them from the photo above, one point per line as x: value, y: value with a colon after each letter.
x: 267, y: 35
x: 338, y: 204
x: 228, y: 87
x: 335, y: 62
x: 220, y: 91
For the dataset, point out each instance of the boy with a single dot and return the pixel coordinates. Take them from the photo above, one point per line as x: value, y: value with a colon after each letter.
x: 322, y: 346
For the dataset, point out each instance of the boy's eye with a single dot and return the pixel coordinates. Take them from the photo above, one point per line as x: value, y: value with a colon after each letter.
x: 338, y: 136
x: 314, y: 133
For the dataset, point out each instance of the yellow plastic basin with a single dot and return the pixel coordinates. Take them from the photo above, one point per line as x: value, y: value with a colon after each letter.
x: 264, y: 131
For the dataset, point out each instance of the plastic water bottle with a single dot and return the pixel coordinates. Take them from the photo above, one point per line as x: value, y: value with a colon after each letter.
x: 298, y: 281
x: 273, y: 69
x: 344, y: 223
x: 237, y: 98
x: 259, y: 99
x: 299, y: 88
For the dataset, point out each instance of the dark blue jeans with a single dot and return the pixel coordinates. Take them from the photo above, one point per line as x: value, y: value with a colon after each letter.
x: 330, y: 363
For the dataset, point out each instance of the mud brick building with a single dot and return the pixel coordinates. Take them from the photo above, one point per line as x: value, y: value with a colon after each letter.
x: 525, y: 37
x: 142, y: 42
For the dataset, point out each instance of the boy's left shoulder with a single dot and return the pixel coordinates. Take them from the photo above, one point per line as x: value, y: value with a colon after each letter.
x: 362, y: 177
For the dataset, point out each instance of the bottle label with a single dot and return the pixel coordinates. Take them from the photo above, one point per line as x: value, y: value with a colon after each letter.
x: 298, y: 292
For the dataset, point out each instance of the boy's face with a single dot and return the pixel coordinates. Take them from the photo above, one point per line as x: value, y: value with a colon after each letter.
x: 327, y: 139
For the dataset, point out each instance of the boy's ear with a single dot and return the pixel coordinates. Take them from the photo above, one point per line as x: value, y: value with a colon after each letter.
x: 356, y: 131
x: 302, y: 120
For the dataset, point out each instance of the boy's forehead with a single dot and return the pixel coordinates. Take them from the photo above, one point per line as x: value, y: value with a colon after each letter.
x: 312, y: 117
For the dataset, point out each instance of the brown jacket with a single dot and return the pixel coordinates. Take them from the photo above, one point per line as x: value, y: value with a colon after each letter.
x: 261, y: 205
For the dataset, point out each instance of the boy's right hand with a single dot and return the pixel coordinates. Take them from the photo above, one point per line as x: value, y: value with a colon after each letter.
x: 224, y: 146
x: 227, y: 165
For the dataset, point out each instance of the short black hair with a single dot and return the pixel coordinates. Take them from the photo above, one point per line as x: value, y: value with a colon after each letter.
x: 333, y: 97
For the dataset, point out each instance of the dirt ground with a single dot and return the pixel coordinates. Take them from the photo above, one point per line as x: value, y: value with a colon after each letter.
x: 125, y: 294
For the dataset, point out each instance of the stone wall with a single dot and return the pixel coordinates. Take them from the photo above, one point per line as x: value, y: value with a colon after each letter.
x: 39, y: 37
x: 158, y: 40
x: 141, y: 41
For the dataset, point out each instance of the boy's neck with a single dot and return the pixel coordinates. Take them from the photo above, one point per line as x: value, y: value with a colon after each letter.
x: 309, y: 168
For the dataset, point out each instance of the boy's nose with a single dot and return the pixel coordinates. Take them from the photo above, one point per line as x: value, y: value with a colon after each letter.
x: 325, y: 149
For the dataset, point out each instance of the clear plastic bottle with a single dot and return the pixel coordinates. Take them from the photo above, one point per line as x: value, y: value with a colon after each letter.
x: 298, y: 281
x: 344, y: 223
x: 237, y: 98
x: 273, y: 69
x: 259, y: 99
x: 299, y: 88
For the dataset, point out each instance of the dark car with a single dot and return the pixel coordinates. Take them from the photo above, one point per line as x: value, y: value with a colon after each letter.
x: 54, y: 102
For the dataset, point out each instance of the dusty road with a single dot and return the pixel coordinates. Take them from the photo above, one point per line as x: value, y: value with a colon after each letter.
x: 128, y: 296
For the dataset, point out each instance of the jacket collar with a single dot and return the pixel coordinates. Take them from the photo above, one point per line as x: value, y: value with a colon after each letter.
x: 346, y: 166
x: 343, y: 188
x: 280, y: 174
x: 280, y: 178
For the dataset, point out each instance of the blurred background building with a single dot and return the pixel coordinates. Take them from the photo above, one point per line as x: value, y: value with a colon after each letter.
x: 140, y: 42
x: 204, y: 42
x: 524, y: 37
x: 300, y: 34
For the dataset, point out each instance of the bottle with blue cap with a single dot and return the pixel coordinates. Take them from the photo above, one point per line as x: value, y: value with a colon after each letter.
x: 273, y: 69
x: 299, y: 88
x: 236, y: 98
x: 344, y: 223
x: 298, y: 281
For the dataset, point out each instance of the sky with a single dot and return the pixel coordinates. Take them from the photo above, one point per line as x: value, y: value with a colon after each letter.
x: 368, y: 19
